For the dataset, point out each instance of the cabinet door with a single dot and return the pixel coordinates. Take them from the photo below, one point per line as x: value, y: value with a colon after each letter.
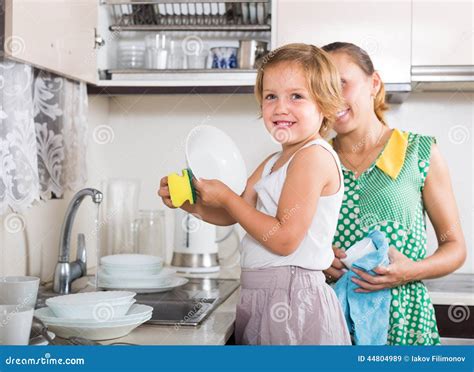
x: 442, y: 33
x: 56, y: 35
x: 382, y: 28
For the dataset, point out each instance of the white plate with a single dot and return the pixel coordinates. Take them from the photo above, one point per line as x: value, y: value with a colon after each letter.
x: 212, y: 154
x: 175, y: 283
x: 261, y: 13
x: 127, y: 260
x: 245, y: 13
x: 91, y: 298
x: 253, y: 13
x: 136, y: 313
x: 130, y: 272
x: 96, y: 334
x: 136, y: 280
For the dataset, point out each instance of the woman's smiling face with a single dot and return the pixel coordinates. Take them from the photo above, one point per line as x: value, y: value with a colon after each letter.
x: 358, y: 91
x: 288, y: 109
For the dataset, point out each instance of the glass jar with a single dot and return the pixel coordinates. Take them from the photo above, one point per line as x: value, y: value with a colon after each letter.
x: 149, y: 231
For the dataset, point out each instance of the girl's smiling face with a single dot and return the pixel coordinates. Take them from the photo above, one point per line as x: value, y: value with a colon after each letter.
x: 289, y: 111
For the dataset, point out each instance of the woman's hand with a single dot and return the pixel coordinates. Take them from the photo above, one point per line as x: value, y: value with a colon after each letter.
x: 211, y: 193
x: 164, y: 193
x: 400, y: 271
x: 334, y: 272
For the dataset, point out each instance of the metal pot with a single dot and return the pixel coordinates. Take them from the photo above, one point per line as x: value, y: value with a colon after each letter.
x: 249, y: 52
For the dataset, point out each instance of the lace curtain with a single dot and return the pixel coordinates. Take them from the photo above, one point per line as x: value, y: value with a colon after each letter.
x: 43, y: 135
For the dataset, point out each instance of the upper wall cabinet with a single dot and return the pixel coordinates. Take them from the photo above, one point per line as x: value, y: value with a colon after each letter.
x: 140, y: 43
x: 443, y: 33
x: 54, y: 35
x: 382, y: 28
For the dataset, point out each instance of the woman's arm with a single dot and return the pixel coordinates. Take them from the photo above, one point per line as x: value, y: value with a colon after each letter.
x: 307, y: 175
x: 440, y: 204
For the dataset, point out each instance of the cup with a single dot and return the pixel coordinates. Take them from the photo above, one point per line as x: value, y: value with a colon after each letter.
x: 196, y: 60
x: 156, y: 51
x: 19, y: 290
x: 131, y: 56
x: 224, y: 57
x: 249, y: 52
x: 150, y: 233
x: 15, y: 324
x: 120, y: 211
x: 358, y: 250
x: 175, y: 56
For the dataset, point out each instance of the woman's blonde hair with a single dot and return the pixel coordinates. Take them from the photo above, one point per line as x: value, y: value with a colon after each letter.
x: 360, y: 57
x: 323, y: 79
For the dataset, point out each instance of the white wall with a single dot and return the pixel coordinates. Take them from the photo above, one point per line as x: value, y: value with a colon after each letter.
x: 146, y: 142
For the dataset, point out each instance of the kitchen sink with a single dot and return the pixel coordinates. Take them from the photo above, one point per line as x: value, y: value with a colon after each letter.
x: 190, y: 304
x: 187, y: 305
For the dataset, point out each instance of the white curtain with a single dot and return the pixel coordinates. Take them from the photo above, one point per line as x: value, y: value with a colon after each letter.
x: 43, y: 135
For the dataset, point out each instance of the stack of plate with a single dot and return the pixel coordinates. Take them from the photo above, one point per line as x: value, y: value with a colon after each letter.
x: 94, y: 315
x: 137, y: 272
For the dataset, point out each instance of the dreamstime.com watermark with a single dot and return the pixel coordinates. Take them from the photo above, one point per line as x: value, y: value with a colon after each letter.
x: 288, y: 214
x: 46, y: 360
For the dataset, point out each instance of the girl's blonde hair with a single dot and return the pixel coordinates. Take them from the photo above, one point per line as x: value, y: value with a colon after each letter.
x: 360, y: 57
x: 324, y: 83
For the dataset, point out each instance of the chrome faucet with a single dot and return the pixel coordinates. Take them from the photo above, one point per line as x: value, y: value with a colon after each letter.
x: 66, y: 272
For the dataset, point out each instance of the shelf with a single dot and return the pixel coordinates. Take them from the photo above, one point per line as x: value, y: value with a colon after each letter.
x: 118, y: 90
x: 184, y: 77
x: 200, y: 28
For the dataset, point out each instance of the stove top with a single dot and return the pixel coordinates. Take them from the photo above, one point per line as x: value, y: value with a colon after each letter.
x: 190, y: 304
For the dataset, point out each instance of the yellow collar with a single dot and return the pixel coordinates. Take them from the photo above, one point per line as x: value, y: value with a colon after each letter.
x: 393, y: 155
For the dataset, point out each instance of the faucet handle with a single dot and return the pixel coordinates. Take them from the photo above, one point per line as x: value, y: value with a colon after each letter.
x: 81, y: 255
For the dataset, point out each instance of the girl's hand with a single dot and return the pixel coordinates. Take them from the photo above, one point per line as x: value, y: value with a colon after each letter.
x: 164, y: 193
x: 398, y: 273
x: 336, y: 270
x: 211, y: 193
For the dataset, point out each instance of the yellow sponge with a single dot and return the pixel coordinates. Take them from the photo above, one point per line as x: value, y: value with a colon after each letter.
x: 181, y: 188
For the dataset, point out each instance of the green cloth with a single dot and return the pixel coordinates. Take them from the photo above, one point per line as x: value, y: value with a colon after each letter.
x: 395, y: 206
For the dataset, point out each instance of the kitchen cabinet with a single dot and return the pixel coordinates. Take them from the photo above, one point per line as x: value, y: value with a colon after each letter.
x: 55, y: 35
x: 382, y: 28
x: 443, y: 33
x: 81, y: 39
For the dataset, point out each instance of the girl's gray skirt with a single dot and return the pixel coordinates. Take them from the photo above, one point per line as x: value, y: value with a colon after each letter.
x: 288, y: 305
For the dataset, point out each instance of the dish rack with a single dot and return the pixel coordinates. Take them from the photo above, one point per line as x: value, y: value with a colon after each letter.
x: 184, y: 15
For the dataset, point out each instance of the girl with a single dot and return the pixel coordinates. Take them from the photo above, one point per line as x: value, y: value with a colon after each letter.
x: 289, y: 208
x: 392, y: 178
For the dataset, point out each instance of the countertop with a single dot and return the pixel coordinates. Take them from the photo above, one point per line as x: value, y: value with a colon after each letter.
x: 452, y: 289
x: 219, y: 326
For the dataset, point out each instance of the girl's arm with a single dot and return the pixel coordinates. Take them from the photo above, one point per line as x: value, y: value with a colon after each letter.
x: 308, y: 174
x: 440, y: 204
x: 215, y: 215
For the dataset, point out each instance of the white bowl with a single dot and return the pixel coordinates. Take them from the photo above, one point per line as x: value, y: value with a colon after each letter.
x: 130, y: 272
x: 212, y: 154
x: 360, y: 249
x: 92, y: 305
x: 131, y: 260
x: 136, y: 312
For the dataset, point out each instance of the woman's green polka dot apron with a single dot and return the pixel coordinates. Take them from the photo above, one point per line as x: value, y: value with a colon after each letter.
x: 388, y: 197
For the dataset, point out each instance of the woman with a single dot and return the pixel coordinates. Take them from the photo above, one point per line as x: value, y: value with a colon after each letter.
x: 391, y: 179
